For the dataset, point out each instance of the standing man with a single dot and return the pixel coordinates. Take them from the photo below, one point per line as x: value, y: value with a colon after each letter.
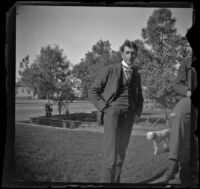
x: 117, y: 95
x: 180, y: 148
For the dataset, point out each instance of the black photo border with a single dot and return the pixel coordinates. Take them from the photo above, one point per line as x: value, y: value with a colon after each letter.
x: 8, y: 83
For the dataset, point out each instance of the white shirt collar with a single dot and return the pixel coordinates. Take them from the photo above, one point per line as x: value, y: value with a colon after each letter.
x: 124, y: 64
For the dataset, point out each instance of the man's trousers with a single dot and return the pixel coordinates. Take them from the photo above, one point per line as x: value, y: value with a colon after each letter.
x: 118, y: 124
x: 183, y: 143
x: 180, y: 131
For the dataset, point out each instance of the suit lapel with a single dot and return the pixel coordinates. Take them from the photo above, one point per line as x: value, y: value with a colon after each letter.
x: 119, y: 73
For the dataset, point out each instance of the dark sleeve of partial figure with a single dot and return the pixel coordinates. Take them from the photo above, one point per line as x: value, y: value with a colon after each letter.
x: 140, y: 101
x: 180, y: 83
x: 97, y: 88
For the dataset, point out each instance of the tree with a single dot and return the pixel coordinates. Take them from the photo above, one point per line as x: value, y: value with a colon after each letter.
x: 100, y: 55
x: 50, y: 74
x: 81, y: 72
x: 165, y: 51
x: 63, y: 96
x: 29, y: 74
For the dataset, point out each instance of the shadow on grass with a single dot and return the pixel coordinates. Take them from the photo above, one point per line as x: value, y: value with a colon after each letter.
x: 58, y: 155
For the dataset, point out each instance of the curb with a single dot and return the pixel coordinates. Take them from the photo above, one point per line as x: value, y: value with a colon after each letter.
x: 48, y: 126
x: 88, y: 128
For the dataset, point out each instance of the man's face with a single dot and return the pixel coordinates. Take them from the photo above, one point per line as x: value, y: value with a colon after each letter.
x: 129, y: 55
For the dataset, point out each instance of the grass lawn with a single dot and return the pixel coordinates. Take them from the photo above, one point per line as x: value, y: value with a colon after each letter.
x: 48, y: 154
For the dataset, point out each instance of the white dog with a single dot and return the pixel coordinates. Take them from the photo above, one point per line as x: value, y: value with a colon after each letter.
x: 157, y: 137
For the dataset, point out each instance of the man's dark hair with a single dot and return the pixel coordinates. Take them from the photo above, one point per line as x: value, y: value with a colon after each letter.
x: 129, y: 44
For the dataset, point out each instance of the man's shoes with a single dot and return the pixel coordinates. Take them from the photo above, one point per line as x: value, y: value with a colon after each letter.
x: 172, y: 170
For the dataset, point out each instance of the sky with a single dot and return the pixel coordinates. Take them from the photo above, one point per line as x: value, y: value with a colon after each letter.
x: 76, y: 29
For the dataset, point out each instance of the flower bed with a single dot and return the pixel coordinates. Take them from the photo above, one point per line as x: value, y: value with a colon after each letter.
x: 73, y: 120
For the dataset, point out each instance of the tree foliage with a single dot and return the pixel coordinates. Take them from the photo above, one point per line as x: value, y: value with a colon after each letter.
x: 49, y: 74
x: 164, y: 50
x: 29, y: 74
x: 100, y: 55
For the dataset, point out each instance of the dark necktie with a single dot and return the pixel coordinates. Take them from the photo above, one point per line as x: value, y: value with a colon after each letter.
x: 128, y: 73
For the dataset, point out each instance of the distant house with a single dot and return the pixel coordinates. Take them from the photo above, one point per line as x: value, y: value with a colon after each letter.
x: 25, y: 91
x: 77, y: 87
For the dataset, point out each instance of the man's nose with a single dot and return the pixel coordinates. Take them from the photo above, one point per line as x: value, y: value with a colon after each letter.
x: 132, y: 54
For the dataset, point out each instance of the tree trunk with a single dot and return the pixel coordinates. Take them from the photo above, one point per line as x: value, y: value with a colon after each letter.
x: 148, y: 105
x: 148, y: 121
x: 59, y: 107
x: 59, y: 110
x: 166, y: 116
x: 48, y: 98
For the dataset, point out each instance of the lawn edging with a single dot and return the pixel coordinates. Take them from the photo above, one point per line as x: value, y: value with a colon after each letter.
x: 155, y: 177
x: 64, y: 123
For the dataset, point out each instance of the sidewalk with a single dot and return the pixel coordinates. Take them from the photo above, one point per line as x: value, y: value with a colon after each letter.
x: 146, y: 128
x: 24, y: 101
x: 42, y: 101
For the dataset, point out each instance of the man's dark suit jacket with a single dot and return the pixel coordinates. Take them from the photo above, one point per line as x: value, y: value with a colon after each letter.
x: 186, y: 79
x: 106, y: 87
